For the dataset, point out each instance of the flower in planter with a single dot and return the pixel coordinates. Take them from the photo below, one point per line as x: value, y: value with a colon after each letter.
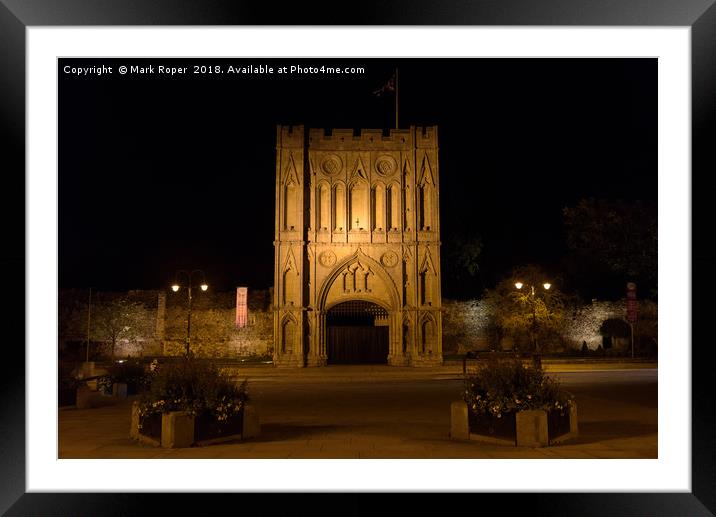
x: 507, y: 386
x: 104, y: 385
x: 196, y: 387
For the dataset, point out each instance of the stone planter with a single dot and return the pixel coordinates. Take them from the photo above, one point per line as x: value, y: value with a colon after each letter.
x: 151, y: 430
x: 87, y: 398
x: 66, y: 397
x: 119, y: 390
x: 208, y: 431
x: 179, y: 429
x: 532, y: 428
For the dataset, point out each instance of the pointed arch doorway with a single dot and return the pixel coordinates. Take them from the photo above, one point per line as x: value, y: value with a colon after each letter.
x: 358, y: 333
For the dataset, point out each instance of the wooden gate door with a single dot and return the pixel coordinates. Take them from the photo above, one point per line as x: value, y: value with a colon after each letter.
x: 357, y: 345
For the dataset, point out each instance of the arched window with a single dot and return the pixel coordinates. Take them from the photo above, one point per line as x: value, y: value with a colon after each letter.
x: 288, y: 337
x: 378, y: 207
x: 406, y: 337
x: 427, y: 337
x: 425, y: 212
x: 394, y: 207
x: 323, y: 207
x: 339, y: 207
x: 425, y: 288
x: 406, y: 207
x: 289, y: 287
x: 289, y: 205
x: 358, y: 206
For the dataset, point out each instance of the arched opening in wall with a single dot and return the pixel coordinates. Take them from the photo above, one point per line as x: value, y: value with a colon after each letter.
x: 357, y: 333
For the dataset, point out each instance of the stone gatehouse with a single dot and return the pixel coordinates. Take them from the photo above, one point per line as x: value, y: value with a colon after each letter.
x: 357, y: 247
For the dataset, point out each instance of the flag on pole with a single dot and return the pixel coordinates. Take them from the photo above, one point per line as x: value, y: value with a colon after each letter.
x: 390, y: 86
x: 387, y: 87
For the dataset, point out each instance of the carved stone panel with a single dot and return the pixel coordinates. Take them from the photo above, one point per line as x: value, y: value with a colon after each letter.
x: 327, y: 258
x: 386, y: 165
x: 389, y: 259
x: 331, y: 164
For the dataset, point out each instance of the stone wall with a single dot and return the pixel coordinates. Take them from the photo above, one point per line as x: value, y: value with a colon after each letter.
x: 161, y: 323
x: 213, y: 329
x: 466, y: 326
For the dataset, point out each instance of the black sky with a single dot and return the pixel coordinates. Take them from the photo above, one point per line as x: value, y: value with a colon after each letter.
x: 158, y: 174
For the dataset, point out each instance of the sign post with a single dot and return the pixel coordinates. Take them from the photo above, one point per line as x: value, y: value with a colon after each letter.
x: 632, y: 311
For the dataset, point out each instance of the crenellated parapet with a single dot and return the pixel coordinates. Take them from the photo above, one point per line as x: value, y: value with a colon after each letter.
x: 289, y: 136
x: 372, y: 139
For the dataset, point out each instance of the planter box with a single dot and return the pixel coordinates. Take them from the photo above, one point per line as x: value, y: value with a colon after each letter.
x: 179, y: 429
x: 208, y: 430
x: 503, y: 428
x: 150, y: 433
x: 533, y: 428
x: 563, y: 427
x: 87, y: 398
x: 252, y: 424
x: 119, y: 390
x: 66, y: 397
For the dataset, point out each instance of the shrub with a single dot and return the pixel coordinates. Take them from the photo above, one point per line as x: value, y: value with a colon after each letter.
x: 500, y: 386
x: 198, y: 388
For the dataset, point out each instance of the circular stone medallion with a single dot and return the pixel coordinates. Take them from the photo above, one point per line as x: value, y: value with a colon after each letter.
x: 327, y: 258
x: 331, y: 164
x: 386, y: 165
x: 389, y: 259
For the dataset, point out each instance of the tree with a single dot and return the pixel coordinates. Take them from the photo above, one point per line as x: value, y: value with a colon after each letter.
x: 72, y: 323
x: 461, y: 253
x: 520, y: 313
x: 118, y: 318
x: 620, y: 235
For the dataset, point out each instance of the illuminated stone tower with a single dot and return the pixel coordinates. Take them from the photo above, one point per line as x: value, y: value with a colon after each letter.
x: 357, y: 247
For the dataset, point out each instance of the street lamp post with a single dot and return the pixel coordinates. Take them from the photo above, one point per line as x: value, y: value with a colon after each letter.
x: 536, y: 357
x: 176, y: 286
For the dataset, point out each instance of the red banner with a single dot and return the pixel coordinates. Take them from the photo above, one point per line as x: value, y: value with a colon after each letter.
x: 242, y: 308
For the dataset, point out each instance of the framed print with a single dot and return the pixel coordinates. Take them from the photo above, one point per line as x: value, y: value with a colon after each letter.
x: 70, y: 80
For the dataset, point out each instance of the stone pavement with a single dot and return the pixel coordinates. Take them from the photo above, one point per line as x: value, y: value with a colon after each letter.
x: 385, y: 412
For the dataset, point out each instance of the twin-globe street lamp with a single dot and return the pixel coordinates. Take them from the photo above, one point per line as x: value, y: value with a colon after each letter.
x: 176, y: 287
x: 536, y: 358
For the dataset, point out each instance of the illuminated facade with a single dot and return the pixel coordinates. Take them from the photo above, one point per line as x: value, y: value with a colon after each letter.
x: 357, y: 247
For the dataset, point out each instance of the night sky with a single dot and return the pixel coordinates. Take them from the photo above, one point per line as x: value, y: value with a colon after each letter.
x: 158, y: 174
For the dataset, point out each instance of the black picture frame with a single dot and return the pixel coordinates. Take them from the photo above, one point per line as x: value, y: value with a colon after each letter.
x: 17, y: 15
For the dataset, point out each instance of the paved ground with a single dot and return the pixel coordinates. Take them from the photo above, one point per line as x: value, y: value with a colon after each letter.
x: 383, y: 412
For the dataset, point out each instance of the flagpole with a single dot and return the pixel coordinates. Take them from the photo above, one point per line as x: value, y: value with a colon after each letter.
x: 396, y: 98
